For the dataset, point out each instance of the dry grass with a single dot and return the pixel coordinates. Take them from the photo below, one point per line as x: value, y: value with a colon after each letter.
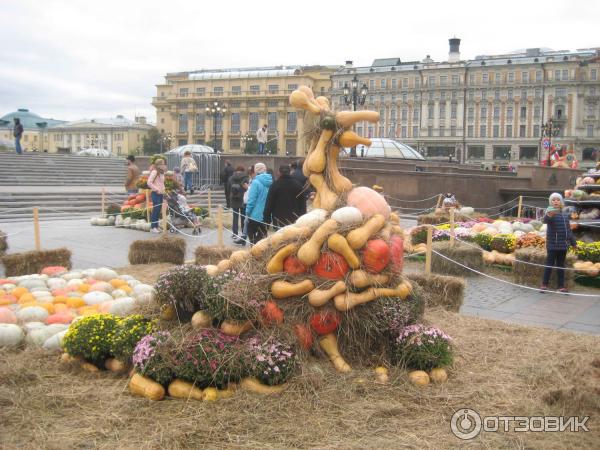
x: 440, y: 290
x: 531, y: 275
x: 467, y: 255
x: 161, y: 250
x: 436, y: 218
x: 3, y: 243
x: 34, y: 261
x: 500, y: 369
x: 211, y: 254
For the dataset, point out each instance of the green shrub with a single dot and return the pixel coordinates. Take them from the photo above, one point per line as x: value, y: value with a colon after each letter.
x: 419, y: 235
x: 422, y: 348
x: 128, y: 333
x: 588, y: 252
x: 484, y: 240
x: 151, y: 357
x: 503, y: 243
x: 91, y: 338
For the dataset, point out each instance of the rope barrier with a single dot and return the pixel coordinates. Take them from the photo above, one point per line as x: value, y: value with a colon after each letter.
x: 412, y: 201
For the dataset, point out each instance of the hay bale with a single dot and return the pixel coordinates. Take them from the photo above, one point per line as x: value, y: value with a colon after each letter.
x: 440, y: 290
x: 530, y: 275
x: 162, y: 250
x: 3, y: 243
x: 211, y: 254
x: 468, y: 255
x: 435, y: 218
x: 26, y: 263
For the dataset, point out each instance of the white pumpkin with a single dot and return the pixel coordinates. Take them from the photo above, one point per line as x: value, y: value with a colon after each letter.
x: 32, y: 283
x: 95, y: 297
x: 105, y: 274
x: 7, y: 315
x: 312, y: 219
x: 122, y: 306
x: 119, y: 293
x: 32, y: 314
x: 142, y: 289
x: 102, y: 286
x: 8, y: 287
x: 527, y: 228
x: 38, y: 336
x: 347, y: 216
x: 145, y: 298
x: 40, y: 294
x: 71, y: 276
x: 466, y: 210
x: 110, y: 220
x: 10, y: 335
x: 88, y: 273
x: 29, y: 326
x: 56, y: 283
x: 133, y: 283
x: 54, y: 342
x: 125, y: 277
x: 543, y: 229
x: 102, y: 221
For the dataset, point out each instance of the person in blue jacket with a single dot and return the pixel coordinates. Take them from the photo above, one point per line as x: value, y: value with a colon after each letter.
x: 559, y: 238
x: 257, y: 198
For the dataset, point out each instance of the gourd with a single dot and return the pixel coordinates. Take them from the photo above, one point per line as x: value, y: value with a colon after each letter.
x: 382, y: 375
x: 339, y: 244
x: 284, y: 289
x: 201, y: 319
x: 115, y: 366
x: 38, y: 336
x: 403, y: 290
x: 105, y: 274
x: 323, y: 102
x: 145, y: 387
x: 224, y: 265
x: 239, y: 256
x: 318, y: 297
x: 122, y: 306
x: 316, y: 161
x: 346, y: 119
x: 327, y: 198
x: 394, y: 218
x: 299, y: 99
x: 368, y: 201
x: 358, y: 237
x: 347, y: 216
x: 418, y: 378
x: 289, y: 233
x: 275, y: 265
x: 32, y: 314
x: 438, y: 375
x: 304, y: 336
x: 311, y: 148
x: 348, y: 300
x: 259, y: 248
x: 253, y: 385
x: 211, y: 394
x: 339, y: 182
x: 182, y: 389
x: 310, y: 251
x: 235, y: 328
x: 96, y: 297
x: 213, y: 270
x: 312, y: 219
x: 7, y: 316
x: 11, y: 335
x: 54, y: 343
x: 361, y: 279
x: 309, y: 93
x: 330, y: 346
x: 350, y: 139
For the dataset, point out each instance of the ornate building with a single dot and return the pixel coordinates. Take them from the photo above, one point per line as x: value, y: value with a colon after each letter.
x: 252, y: 97
x: 488, y: 110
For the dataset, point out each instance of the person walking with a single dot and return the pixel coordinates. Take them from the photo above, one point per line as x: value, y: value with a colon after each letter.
x: 237, y: 186
x: 559, y: 238
x: 306, y: 187
x: 188, y: 167
x: 18, y: 133
x: 261, y: 137
x: 284, y: 200
x: 133, y: 173
x: 225, y: 175
x: 257, y: 198
x: 156, y: 183
x: 244, y: 237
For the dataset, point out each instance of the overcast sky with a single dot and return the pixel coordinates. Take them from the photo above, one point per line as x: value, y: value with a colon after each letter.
x: 78, y: 59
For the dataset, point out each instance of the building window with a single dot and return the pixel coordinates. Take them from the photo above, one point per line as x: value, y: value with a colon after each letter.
x: 471, y: 113
x: 403, y: 131
x: 536, y: 131
x: 394, y: 83
x: 200, y: 123
x: 291, y: 122
x: 475, y: 152
x: 523, y: 112
x: 511, y: 77
x: 538, y: 75
x: 417, y: 82
x: 235, y: 123
x: 234, y: 143
x: 236, y: 90
x: 218, y: 91
x: 470, y: 131
x: 200, y: 91
x: 429, y: 131
x: 501, y: 152
x: 509, y: 113
x: 509, y: 94
x: 273, y: 88
x: 452, y: 131
x: 522, y: 131
x: 431, y: 81
x: 524, y: 77
x: 415, y: 131
x: 485, y: 78
x: 453, y: 109
x: 537, y: 111
x: 593, y: 74
x: 442, y: 95
x: 593, y: 91
x: 496, y: 131
x: 497, y: 94
x: 430, y: 111
x: 371, y: 84
x: 183, y: 123
x: 524, y: 95
x: 472, y: 78
x: 471, y: 95
x: 538, y: 92
x: 498, y: 78
x: 590, y: 131
x: 404, y: 114
x: 589, y: 154
x: 483, y: 112
x: 416, y: 113
x: 508, y: 131
x: 183, y: 92
x: 483, y: 94
x: 455, y: 80
x: 382, y: 83
x: 272, y: 121
x: 290, y: 146
x: 482, y: 131
x: 529, y: 152
x: 253, y: 122
x: 293, y: 87
x: 254, y: 89
x: 442, y: 111
x: 496, y: 112
x: 565, y: 74
x: 405, y: 83
x: 404, y: 97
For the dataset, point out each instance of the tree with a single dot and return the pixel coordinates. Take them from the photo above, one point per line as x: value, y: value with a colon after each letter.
x: 152, y: 142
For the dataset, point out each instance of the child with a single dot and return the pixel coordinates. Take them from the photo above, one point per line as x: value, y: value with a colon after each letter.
x: 558, y: 239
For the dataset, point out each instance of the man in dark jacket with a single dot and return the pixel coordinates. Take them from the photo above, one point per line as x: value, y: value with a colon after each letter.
x: 300, y: 178
x: 17, y: 133
x: 237, y: 185
x: 559, y: 238
x: 284, y: 200
x: 225, y: 175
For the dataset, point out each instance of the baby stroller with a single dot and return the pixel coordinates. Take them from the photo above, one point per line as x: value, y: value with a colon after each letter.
x: 181, y: 215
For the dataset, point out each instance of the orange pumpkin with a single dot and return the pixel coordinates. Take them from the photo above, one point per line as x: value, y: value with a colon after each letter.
x: 368, y: 202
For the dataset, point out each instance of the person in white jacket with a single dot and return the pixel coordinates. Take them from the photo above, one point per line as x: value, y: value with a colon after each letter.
x: 261, y: 137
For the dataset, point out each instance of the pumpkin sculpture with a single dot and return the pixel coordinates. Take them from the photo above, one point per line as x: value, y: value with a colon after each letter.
x: 344, y: 254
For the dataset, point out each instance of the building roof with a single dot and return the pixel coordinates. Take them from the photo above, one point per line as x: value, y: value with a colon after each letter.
x: 256, y: 73
x: 386, y: 62
x: 28, y: 119
x: 110, y: 122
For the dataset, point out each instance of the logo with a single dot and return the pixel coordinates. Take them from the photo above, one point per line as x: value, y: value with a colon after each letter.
x: 465, y: 424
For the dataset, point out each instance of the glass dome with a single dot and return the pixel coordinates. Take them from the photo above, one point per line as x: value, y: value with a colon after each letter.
x: 193, y: 148
x: 387, y: 148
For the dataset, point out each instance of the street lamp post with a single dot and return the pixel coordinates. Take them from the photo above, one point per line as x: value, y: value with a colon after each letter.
x: 163, y: 139
x: 549, y: 130
x: 246, y: 138
x: 217, y: 111
x: 355, y: 97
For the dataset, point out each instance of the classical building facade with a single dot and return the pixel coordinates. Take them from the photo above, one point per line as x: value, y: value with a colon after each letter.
x: 488, y: 110
x: 119, y: 135
x: 253, y: 97
x: 35, y: 130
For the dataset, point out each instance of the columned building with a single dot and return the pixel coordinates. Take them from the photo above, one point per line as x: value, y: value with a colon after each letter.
x: 252, y: 97
x: 488, y: 110
x: 35, y: 130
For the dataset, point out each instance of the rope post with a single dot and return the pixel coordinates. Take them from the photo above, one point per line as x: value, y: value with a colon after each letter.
x: 220, y: 225
x: 452, y: 242
x: 147, y: 205
x: 428, y: 251
x: 520, y: 206
x: 209, y: 202
x: 164, y: 216
x: 103, y: 202
x: 439, y: 202
x: 36, y: 228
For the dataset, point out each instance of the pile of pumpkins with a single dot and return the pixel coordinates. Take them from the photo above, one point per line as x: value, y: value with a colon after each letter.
x: 135, y: 201
x: 587, y: 268
x: 37, y: 309
x: 120, y: 222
